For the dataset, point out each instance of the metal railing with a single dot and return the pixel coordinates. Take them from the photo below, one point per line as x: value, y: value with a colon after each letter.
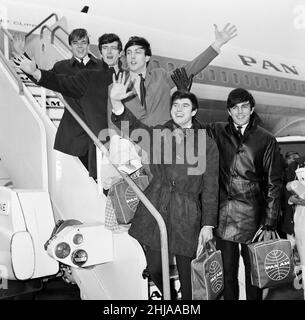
x: 6, y: 32
x: 41, y: 23
x: 7, y: 63
x: 12, y: 71
x: 53, y: 36
x: 142, y: 197
x: 55, y: 29
x: 42, y: 31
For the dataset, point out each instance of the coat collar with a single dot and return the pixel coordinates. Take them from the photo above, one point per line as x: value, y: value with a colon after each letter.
x: 148, y: 78
x: 91, y: 57
x: 170, y: 124
x: 255, y: 120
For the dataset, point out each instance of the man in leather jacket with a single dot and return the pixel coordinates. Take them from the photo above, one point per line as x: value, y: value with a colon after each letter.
x: 250, y: 182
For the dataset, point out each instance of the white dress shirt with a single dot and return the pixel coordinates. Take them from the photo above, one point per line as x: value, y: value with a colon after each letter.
x: 86, y: 59
x: 136, y: 79
x: 242, y: 129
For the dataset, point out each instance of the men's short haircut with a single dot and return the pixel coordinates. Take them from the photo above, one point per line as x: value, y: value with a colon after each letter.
x: 290, y: 153
x: 239, y: 95
x: 78, y: 34
x: 109, y: 38
x: 184, y: 94
x: 138, y: 41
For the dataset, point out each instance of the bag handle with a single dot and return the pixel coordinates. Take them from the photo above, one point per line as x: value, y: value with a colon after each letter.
x: 209, y: 247
x: 274, y: 234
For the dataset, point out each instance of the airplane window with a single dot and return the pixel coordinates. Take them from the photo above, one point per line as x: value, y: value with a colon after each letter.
x: 235, y: 78
x: 286, y: 86
x: 294, y: 87
x: 267, y: 83
x: 257, y: 81
x: 200, y: 75
x: 277, y: 84
x: 212, y: 75
x: 170, y: 66
x: 247, y: 81
x: 156, y: 64
x: 224, y: 76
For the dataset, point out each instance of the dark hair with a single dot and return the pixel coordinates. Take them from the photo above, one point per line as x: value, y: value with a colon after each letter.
x: 290, y: 153
x: 138, y: 41
x: 184, y: 94
x: 108, y: 38
x: 239, y: 95
x: 78, y: 34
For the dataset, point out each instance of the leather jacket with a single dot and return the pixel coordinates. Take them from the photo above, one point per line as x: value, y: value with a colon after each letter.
x: 250, y: 179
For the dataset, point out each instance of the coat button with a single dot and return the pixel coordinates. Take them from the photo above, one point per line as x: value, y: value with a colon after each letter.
x: 172, y: 186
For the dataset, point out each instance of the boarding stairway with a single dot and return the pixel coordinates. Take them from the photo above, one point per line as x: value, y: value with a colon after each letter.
x: 67, y: 190
x: 50, y: 103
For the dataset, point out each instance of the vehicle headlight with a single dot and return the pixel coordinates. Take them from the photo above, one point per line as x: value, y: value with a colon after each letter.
x: 62, y: 250
x: 78, y: 238
x: 79, y: 257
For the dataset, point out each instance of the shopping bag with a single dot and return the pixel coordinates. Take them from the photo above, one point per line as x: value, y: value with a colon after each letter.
x: 125, y: 200
x: 272, y: 262
x: 207, y: 273
x: 111, y: 222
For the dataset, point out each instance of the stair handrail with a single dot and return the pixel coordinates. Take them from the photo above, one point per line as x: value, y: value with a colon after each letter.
x: 42, y: 22
x: 58, y: 38
x: 54, y: 31
x: 13, y: 73
x: 6, y: 32
x: 53, y: 35
x: 42, y: 30
x: 51, y: 31
x: 7, y: 64
x: 150, y: 207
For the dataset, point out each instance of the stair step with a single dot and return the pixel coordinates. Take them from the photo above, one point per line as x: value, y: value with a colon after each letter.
x: 55, y: 108
x: 51, y: 103
x: 153, y: 291
x: 55, y: 113
x: 56, y: 122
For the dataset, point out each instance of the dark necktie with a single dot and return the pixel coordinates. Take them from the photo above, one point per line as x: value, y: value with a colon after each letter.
x: 239, y: 131
x: 142, y: 91
x: 82, y: 63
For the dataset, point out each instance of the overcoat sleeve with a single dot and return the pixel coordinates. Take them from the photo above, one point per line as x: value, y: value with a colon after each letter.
x: 71, y: 86
x: 274, y: 182
x: 128, y: 123
x: 196, y: 65
x: 209, y: 194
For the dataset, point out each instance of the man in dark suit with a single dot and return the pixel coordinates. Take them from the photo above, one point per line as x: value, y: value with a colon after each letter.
x: 111, y: 49
x: 70, y: 137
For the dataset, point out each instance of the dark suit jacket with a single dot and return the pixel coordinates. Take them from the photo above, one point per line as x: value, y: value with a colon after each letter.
x: 90, y: 87
x: 70, y: 137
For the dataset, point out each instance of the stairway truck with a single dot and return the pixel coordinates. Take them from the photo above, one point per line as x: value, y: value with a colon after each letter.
x: 105, y: 265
